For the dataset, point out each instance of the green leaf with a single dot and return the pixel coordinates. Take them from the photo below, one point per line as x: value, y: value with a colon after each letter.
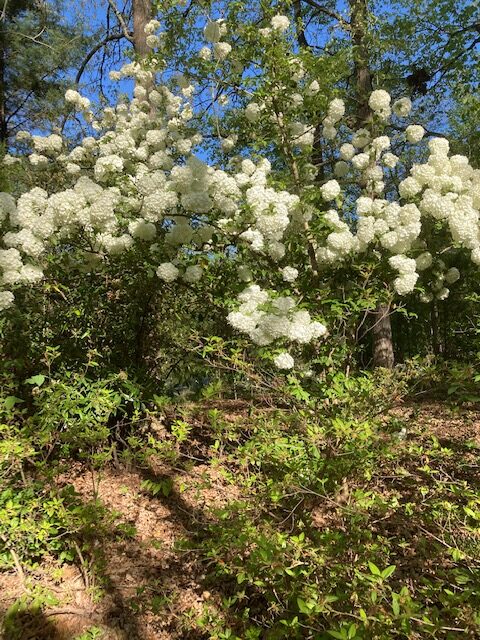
x: 386, y: 573
x: 11, y: 401
x: 374, y: 569
x: 37, y: 380
x: 302, y: 606
x: 470, y: 512
x: 395, y: 604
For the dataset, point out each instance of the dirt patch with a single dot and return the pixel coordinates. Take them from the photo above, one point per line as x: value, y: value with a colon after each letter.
x: 143, y: 583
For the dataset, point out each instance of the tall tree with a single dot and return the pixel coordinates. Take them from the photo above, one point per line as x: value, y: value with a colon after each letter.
x: 383, y: 353
x: 38, y: 49
x: 142, y: 14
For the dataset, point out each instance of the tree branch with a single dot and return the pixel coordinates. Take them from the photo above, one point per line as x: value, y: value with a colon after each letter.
x: 111, y: 38
x: 121, y: 20
x: 299, y: 27
x: 328, y: 12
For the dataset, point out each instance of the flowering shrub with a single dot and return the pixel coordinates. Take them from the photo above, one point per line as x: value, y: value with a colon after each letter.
x: 141, y: 180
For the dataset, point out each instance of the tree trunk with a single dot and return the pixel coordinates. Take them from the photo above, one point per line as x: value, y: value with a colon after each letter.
x: 381, y: 329
x: 437, y: 345
x: 382, y: 338
x: 142, y: 14
x: 363, y: 77
x: 3, y: 108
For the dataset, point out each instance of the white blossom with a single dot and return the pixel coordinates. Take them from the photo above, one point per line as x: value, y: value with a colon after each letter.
x: 379, y: 100
x: 168, y: 272
x: 330, y: 190
x: 402, y: 107
x: 284, y: 361
x: 221, y: 50
x: 414, y: 133
x: 289, y: 274
x: 280, y: 23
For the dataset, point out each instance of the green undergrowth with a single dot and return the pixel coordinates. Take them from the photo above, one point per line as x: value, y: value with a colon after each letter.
x: 345, y: 529
x: 349, y: 520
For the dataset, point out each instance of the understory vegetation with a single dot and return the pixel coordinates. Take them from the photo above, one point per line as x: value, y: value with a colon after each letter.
x: 353, y: 513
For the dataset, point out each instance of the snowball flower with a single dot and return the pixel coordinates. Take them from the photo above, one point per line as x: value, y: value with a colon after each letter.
x: 289, y: 274
x: 151, y: 27
x: 253, y: 111
x: 152, y: 41
x: 72, y: 96
x: 214, y: 30
x: 452, y: 275
x: 336, y: 110
x: 302, y: 134
x: 221, y: 50
x: 168, y: 272
x: 409, y: 187
x: 205, y: 53
x: 405, y: 283
x: 361, y: 138
x: 142, y: 230
x: 347, y: 151
x: 402, y: 107
x: 284, y: 361
x: 439, y: 146
x: 313, y: 88
x: 390, y: 160
x: 330, y: 190
x: 193, y: 273
x: 361, y: 161
x: 414, y: 133
x: 280, y: 23
x: 382, y: 143
x: 6, y: 300
x: 329, y: 132
x: 379, y: 100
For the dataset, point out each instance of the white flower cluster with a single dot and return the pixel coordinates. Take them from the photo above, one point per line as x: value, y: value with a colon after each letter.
x: 168, y: 272
x: 213, y: 33
x: 302, y: 135
x: 379, y: 102
x: 140, y: 182
x: 445, y: 188
x: 266, y: 319
x: 336, y: 111
x: 271, y: 211
x: 153, y: 40
x: 284, y: 361
x: 78, y: 101
x: 280, y: 23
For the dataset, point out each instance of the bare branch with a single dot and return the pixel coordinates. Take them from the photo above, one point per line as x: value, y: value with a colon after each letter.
x: 111, y: 38
x: 328, y: 12
x: 3, y: 15
x: 121, y: 20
